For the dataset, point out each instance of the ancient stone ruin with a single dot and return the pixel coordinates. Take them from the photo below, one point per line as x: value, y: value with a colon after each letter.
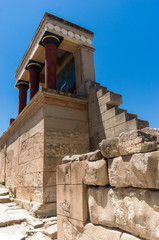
x: 72, y: 152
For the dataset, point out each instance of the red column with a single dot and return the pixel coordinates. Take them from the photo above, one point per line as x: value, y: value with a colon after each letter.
x: 23, y: 87
x: 34, y: 69
x: 11, y: 121
x: 50, y: 66
x: 50, y: 42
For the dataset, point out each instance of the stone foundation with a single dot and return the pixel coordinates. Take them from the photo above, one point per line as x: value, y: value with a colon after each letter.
x: 117, y: 196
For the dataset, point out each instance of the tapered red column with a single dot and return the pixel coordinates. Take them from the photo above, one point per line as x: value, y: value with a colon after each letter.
x: 23, y: 87
x: 50, y: 42
x: 34, y: 69
x: 50, y: 66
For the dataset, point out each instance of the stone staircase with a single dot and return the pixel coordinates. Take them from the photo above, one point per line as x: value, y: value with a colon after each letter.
x: 17, y: 224
x: 106, y: 119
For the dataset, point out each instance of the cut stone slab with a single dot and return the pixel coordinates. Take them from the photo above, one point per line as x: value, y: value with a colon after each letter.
x: 4, y: 199
x: 35, y: 223
x: 15, y: 232
x: 128, y: 143
x: 12, y: 236
x: 50, y: 221
x: 139, y: 170
x: 133, y: 210
x: 89, y: 232
x: 4, y: 192
x: 38, y: 236
x: 51, y: 231
x: 96, y: 173
x: 91, y: 156
x: 136, y: 141
x: 126, y: 236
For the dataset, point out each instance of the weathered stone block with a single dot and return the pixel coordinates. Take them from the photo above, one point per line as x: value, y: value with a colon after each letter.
x: 63, y: 174
x: 96, y: 173
x: 138, y: 170
x: 78, y: 172
x: 126, y: 236
x: 128, y: 143
x: 72, y: 201
x: 49, y: 194
x: 110, y: 147
x: 91, y: 156
x: 133, y: 210
x: 136, y: 141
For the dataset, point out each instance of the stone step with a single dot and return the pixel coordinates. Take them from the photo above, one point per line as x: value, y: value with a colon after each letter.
x: 51, y: 231
x: 110, y: 98
x: 4, y: 192
x: 4, y: 199
x: 142, y: 124
x: 101, y: 92
x: 130, y: 116
x: 12, y: 236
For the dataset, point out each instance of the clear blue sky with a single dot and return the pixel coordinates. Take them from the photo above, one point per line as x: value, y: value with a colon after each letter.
x: 126, y: 42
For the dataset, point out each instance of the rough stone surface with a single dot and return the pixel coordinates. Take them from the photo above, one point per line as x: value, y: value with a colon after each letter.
x: 138, y: 170
x: 110, y: 147
x: 91, y: 156
x: 133, y: 210
x: 128, y: 143
x: 154, y: 131
x: 126, y: 236
x: 136, y: 141
x: 96, y: 173
x: 18, y: 224
x: 92, y: 232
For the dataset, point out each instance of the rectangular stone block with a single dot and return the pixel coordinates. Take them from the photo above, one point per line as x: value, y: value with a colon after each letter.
x: 96, y: 173
x: 68, y: 198
x: 128, y: 143
x: 138, y: 170
x: 114, y: 121
x: 50, y: 163
x: 49, y: 194
x: 63, y: 174
x: 49, y: 179
x: 133, y: 210
x: 78, y: 172
x: 125, y: 127
x: 65, y: 225
x: 30, y: 193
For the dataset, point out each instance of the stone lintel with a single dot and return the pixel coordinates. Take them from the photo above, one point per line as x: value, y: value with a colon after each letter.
x: 44, y: 96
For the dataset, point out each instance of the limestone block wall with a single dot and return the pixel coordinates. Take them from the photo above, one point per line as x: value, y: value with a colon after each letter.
x: 66, y: 132
x: 111, y: 193
x: 21, y: 157
x: 51, y: 126
x: 106, y: 119
x: 30, y: 160
x: 2, y: 163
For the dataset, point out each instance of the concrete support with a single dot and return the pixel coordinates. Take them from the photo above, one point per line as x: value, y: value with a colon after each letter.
x: 34, y: 69
x: 23, y: 87
x: 50, y: 42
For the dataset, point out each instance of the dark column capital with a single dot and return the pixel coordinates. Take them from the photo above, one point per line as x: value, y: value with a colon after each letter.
x: 34, y: 65
x: 22, y: 83
x: 49, y: 37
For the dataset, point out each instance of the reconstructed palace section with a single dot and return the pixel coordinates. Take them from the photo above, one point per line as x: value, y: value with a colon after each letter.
x: 51, y: 127
x: 67, y: 113
x: 111, y: 193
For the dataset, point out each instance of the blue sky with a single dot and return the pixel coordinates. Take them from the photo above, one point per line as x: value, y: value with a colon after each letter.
x: 126, y: 42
